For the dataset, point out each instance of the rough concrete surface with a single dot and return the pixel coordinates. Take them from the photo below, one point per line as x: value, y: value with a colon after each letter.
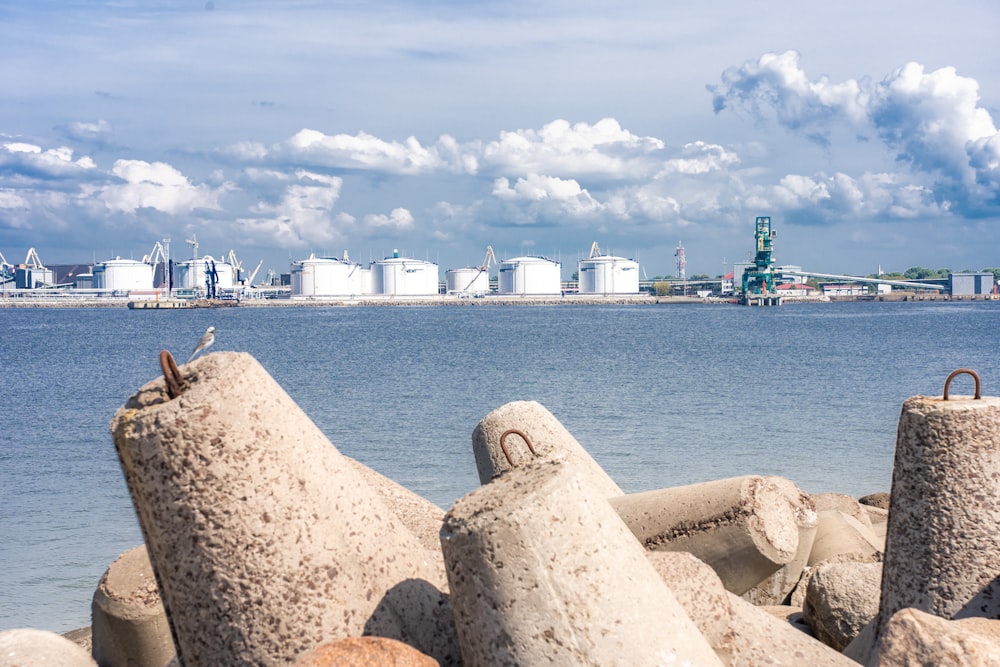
x: 264, y: 538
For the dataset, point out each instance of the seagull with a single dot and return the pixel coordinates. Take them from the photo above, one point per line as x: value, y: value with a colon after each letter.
x: 205, y: 342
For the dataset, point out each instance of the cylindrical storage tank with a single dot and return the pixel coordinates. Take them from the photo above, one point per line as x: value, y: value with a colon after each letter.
x: 193, y: 274
x: 401, y: 276
x: 367, y: 282
x: 123, y: 275
x: 530, y: 275
x: 467, y: 281
x: 324, y: 276
x: 608, y: 275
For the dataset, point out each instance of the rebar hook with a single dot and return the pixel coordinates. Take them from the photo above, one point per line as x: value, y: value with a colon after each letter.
x: 967, y: 371
x: 172, y: 375
x: 524, y: 437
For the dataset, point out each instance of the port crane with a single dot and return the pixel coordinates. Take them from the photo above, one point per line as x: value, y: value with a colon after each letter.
x: 6, y: 270
x: 489, y: 260
x: 160, y: 254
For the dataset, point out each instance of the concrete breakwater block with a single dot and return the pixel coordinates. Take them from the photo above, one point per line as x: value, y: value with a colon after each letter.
x: 27, y: 647
x: 842, y: 538
x: 746, y: 528
x: 542, y: 571
x: 840, y: 600
x: 129, y: 625
x: 943, y: 534
x: 265, y: 540
x: 523, y: 431
x: 913, y: 637
x: 739, y: 633
x: 777, y: 588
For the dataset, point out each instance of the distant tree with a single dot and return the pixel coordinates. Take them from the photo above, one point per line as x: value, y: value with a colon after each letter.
x: 575, y: 276
x: 919, y: 273
x: 995, y: 271
x: 700, y: 276
x: 662, y: 288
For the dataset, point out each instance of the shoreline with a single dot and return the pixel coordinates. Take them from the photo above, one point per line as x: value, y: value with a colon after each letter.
x: 444, y: 300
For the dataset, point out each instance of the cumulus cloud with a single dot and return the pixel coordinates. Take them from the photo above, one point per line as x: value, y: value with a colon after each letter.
x: 98, y: 132
x: 156, y: 185
x: 603, y: 149
x: 365, y: 152
x: 929, y: 120
x: 32, y: 161
x: 302, y: 216
x: 399, y: 219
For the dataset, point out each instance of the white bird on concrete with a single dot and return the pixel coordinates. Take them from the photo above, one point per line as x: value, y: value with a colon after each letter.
x: 205, y: 342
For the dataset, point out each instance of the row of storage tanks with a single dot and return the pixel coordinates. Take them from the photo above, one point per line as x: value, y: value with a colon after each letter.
x: 400, y: 276
x: 131, y: 275
x: 393, y: 276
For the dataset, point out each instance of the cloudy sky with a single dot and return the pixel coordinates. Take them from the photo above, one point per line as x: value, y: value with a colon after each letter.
x: 276, y: 128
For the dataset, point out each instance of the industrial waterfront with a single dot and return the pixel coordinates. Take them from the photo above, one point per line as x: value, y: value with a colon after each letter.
x: 160, y: 282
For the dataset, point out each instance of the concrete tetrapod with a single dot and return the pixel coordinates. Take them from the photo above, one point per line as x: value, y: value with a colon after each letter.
x: 264, y: 539
x: 746, y: 528
x: 943, y: 535
x: 129, y: 624
x: 777, y: 588
x: 542, y: 571
x: 528, y: 431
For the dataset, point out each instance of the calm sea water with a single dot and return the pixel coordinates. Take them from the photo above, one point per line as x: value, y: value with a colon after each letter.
x: 659, y: 395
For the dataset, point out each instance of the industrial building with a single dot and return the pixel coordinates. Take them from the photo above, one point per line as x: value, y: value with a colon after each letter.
x: 967, y: 284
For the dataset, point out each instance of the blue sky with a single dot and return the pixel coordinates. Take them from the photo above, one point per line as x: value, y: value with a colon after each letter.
x: 866, y: 130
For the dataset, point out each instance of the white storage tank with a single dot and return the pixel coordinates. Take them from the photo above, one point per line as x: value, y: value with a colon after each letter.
x: 530, y: 275
x: 467, y: 281
x: 607, y: 274
x: 123, y: 275
x: 402, y: 276
x: 193, y: 274
x: 326, y: 276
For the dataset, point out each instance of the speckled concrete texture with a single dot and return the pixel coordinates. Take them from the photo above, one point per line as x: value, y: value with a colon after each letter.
x: 265, y: 541
x: 549, y: 438
x: 943, y: 535
x: 27, y: 647
x: 129, y: 623
x: 842, y: 538
x: 543, y: 572
x: 744, y: 527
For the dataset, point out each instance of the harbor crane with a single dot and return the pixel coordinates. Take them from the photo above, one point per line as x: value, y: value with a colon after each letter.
x: 32, y: 260
x: 193, y: 242
x: 489, y: 260
x: 158, y: 254
x: 6, y: 270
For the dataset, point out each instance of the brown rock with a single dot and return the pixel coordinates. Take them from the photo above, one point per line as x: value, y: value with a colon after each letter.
x: 879, y: 500
x: 841, y: 599
x: 912, y: 637
x: 365, y: 652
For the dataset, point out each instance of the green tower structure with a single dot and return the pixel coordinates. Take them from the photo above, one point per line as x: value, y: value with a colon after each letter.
x: 759, y: 279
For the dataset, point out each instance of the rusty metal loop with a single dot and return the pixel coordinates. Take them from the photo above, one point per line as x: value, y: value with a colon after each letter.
x: 524, y: 437
x: 960, y: 371
x: 172, y: 375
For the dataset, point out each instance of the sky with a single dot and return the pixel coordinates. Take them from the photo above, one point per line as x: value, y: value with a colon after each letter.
x: 867, y: 131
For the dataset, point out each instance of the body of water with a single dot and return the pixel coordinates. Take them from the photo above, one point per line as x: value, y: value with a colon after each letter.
x: 659, y: 395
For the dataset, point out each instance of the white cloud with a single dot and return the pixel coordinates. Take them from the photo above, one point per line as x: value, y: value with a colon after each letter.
x: 604, y: 150
x: 366, y: 152
x: 31, y: 160
x: 158, y: 186
x: 98, y: 132
x: 398, y: 219
x: 303, y: 216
